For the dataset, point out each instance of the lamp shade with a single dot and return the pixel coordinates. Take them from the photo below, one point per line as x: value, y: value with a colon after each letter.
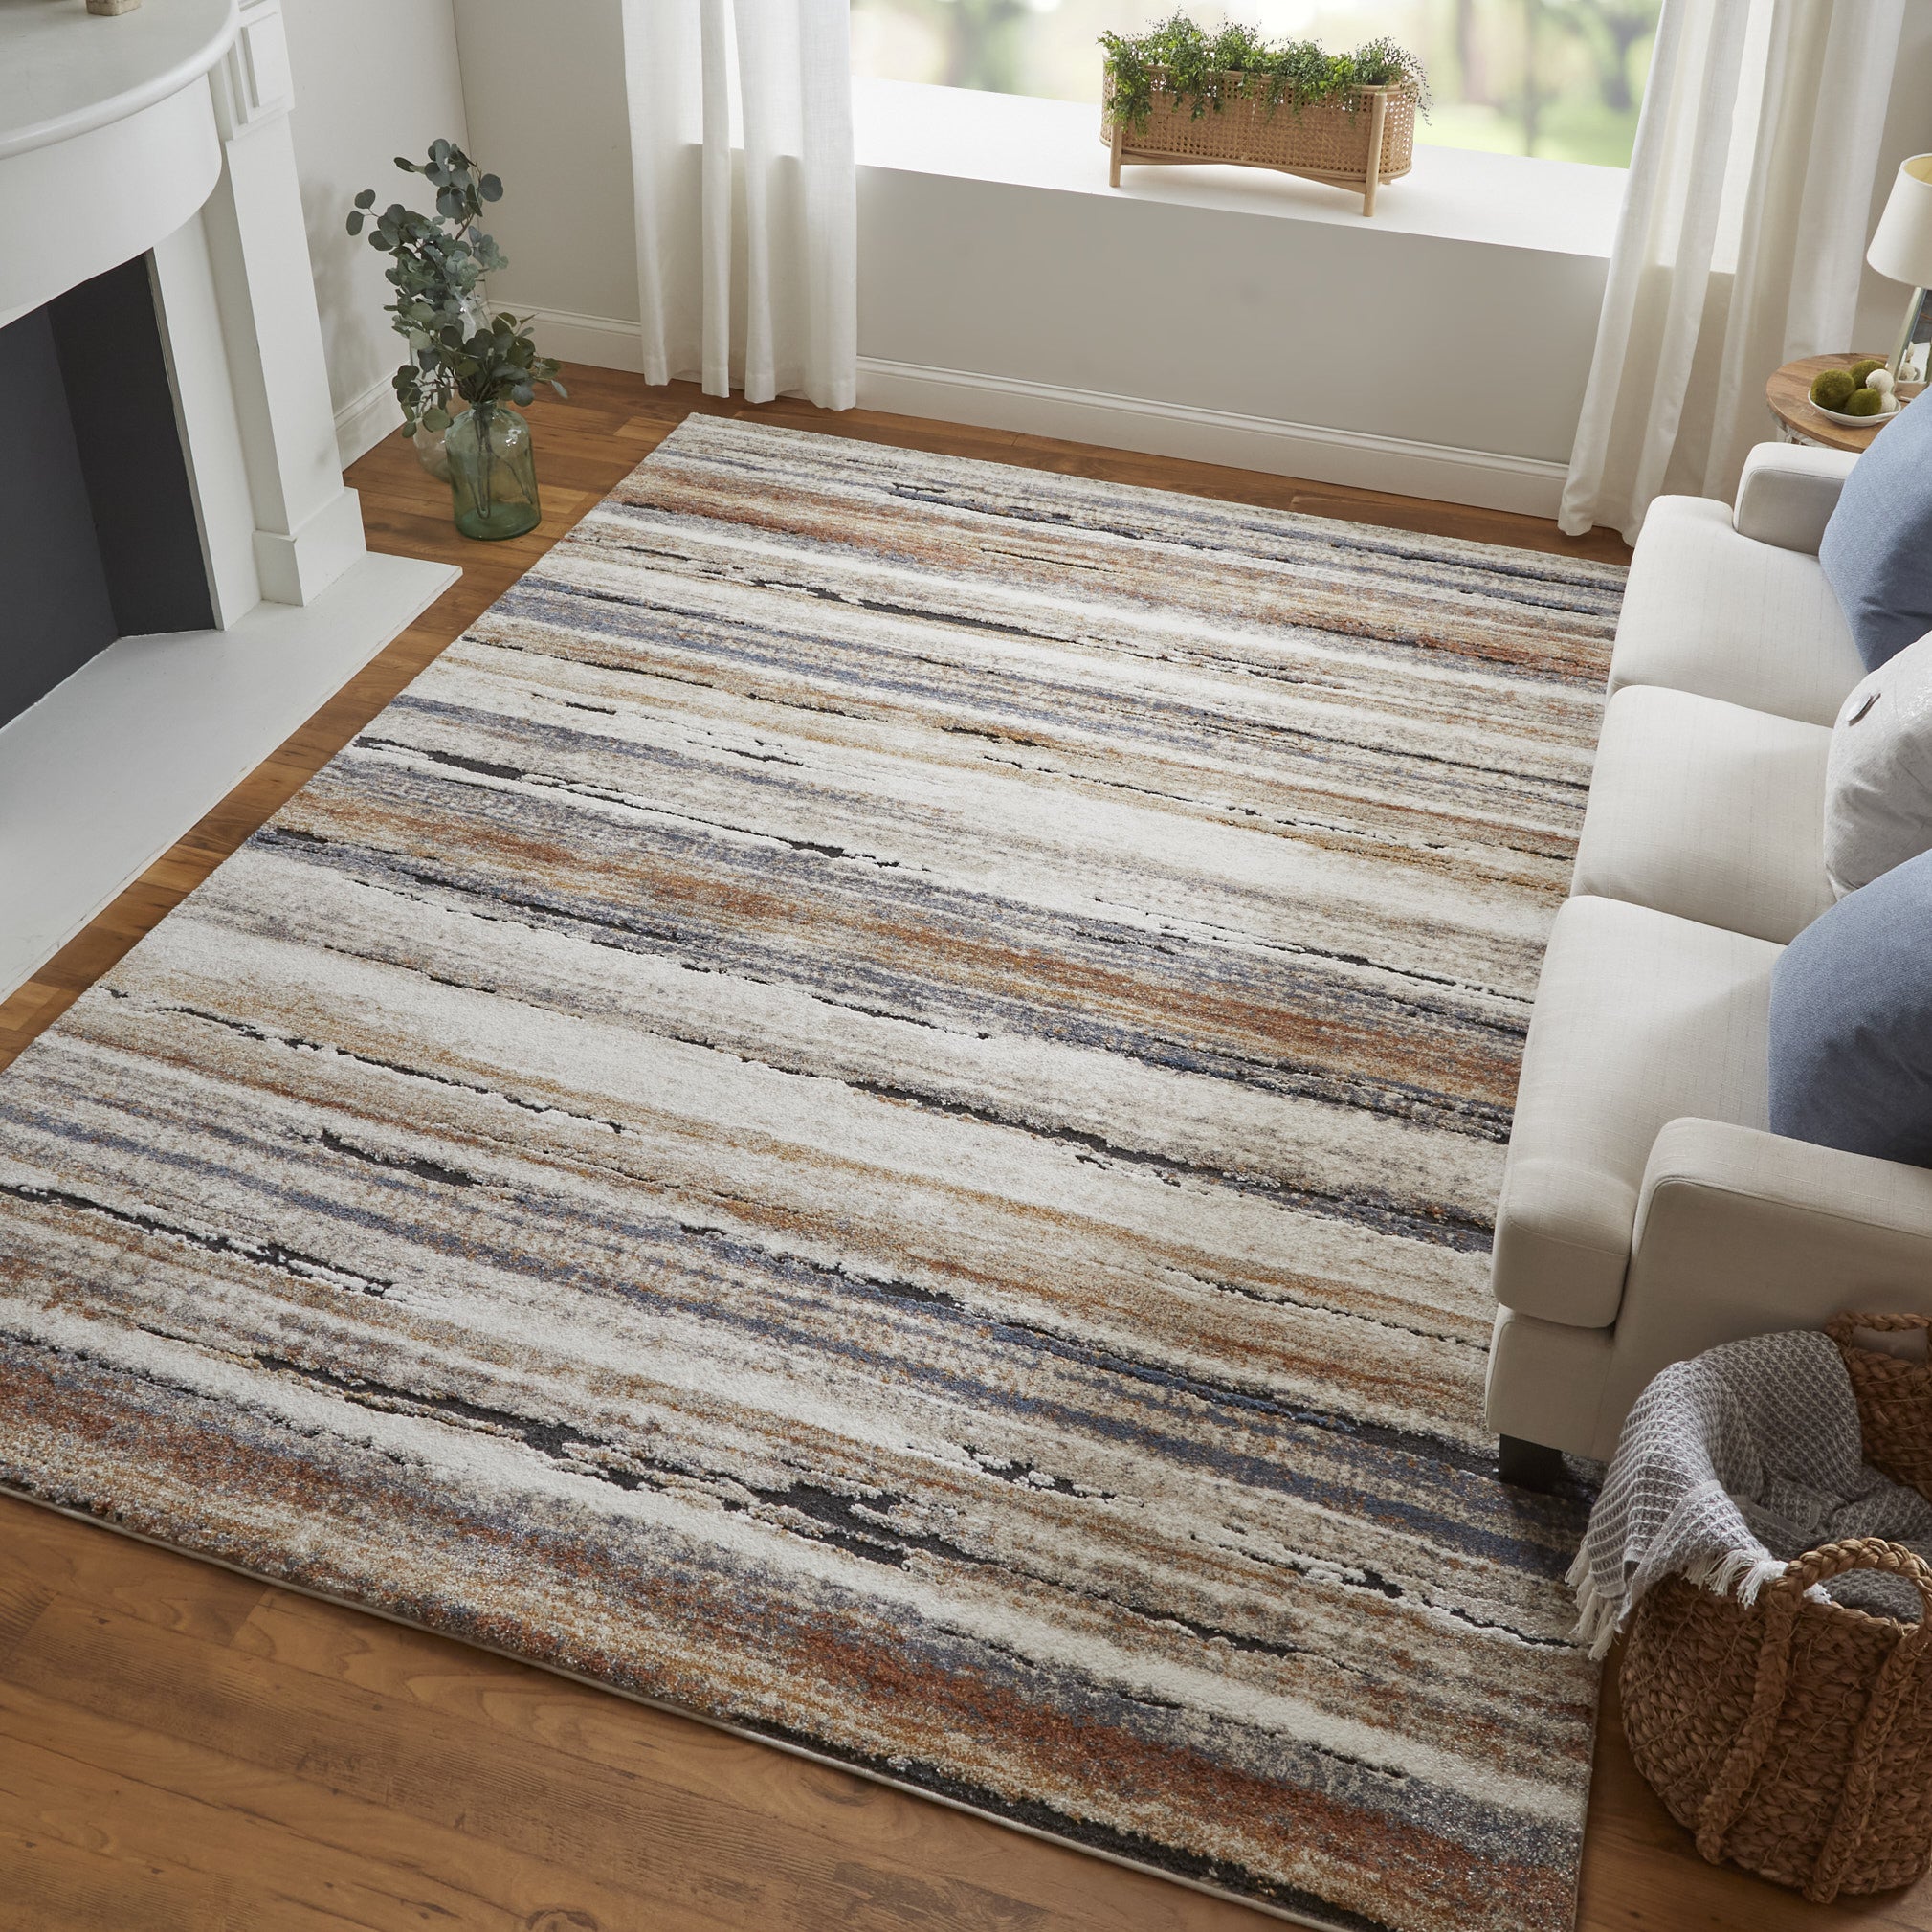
x: 1902, y: 247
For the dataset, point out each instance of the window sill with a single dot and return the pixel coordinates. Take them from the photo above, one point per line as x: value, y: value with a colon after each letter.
x: 1452, y: 193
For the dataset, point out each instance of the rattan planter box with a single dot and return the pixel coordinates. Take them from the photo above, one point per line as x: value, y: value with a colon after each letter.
x: 1324, y: 141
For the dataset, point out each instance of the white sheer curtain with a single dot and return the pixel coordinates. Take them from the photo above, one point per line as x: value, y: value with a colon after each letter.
x: 1742, y: 231
x: 740, y: 152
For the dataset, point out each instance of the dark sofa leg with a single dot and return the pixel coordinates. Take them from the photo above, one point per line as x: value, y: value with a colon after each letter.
x: 1528, y: 1465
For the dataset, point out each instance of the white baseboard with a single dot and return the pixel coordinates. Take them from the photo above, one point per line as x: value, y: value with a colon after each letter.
x: 364, y: 421
x: 604, y: 342
x: 1483, y: 477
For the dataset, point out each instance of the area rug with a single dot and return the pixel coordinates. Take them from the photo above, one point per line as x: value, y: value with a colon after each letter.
x: 874, y: 1111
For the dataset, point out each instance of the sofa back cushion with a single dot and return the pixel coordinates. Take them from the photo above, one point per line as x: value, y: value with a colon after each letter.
x: 1878, y: 548
x: 1878, y: 777
x: 1850, y: 1032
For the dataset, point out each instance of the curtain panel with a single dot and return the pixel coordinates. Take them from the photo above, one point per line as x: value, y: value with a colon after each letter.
x: 745, y: 189
x: 1739, y: 244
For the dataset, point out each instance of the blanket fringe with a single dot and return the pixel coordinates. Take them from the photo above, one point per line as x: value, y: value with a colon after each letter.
x: 1601, y: 1614
x: 1738, y: 1573
x: 1599, y: 1618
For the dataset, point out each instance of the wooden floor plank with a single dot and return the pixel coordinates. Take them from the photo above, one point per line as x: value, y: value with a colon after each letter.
x: 44, y: 1555
x: 183, y: 1747
x: 50, y: 1885
x: 877, y: 1830
x: 573, y: 1814
x: 706, y: 1853
x: 229, y: 1826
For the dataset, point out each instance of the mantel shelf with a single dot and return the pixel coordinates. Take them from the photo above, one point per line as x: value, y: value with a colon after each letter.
x: 65, y: 72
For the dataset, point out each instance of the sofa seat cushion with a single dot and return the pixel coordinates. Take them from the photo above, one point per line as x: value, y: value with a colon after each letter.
x: 1640, y: 1018
x: 1708, y: 811
x: 1708, y: 611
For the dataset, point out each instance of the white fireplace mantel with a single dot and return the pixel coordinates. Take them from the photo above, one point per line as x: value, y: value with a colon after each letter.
x: 164, y: 132
x: 107, y: 136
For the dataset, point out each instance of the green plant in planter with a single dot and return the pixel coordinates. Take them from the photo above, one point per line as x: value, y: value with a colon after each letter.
x: 458, y: 354
x: 1300, y: 73
x: 436, y: 266
x: 493, y: 473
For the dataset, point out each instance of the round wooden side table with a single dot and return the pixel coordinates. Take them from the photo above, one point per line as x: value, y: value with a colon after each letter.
x: 1797, y: 417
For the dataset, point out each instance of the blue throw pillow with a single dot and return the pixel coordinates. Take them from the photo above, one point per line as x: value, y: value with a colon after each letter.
x: 1852, y: 1021
x: 1878, y: 548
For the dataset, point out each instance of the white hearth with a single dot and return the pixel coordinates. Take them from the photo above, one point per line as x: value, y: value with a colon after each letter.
x: 163, y: 134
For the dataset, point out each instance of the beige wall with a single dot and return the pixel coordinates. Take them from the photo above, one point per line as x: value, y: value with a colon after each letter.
x: 1908, y: 130
x: 962, y: 275
x: 547, y: 113
x: 1003, y: 282
x: 373, y: 78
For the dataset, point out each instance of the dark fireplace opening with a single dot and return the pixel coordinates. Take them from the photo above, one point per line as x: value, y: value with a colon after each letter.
x: 99, y: 538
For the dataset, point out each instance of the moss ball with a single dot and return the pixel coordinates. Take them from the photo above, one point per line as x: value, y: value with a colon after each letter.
x: 1863, y: 367
x: 1831, y: 389
x: 1863, y: 402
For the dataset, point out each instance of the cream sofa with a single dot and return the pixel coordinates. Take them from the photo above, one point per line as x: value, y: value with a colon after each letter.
x: 1646, y: 1213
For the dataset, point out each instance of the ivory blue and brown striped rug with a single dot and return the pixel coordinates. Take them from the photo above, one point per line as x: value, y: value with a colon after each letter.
x: 874, y: 1111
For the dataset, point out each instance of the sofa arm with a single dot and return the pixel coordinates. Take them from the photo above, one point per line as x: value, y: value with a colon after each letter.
x: 1820, y: 1191
x: 1741, y: 1233
x: 1787, y: 492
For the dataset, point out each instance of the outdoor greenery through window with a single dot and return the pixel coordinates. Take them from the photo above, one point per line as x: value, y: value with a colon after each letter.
x: 1554, y: 77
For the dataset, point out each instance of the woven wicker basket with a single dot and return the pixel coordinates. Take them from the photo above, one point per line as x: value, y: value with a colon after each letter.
x: 1894, y: 1397
x: 1794, y: 1738
x: 1324, y: 141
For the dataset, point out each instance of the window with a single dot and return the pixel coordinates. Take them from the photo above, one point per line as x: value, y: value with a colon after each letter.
x: 1555, y: 77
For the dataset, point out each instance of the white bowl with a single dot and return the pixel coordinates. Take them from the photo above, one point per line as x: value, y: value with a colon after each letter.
x: 1891, y: 409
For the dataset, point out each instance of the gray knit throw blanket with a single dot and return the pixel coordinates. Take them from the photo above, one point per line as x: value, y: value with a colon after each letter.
x: 1728, y: 1467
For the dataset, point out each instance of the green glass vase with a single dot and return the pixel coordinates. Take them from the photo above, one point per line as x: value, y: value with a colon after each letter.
x: 493, y: 473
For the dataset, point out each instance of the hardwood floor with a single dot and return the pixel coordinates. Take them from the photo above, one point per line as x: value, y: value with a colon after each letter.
x: 182, y: 1747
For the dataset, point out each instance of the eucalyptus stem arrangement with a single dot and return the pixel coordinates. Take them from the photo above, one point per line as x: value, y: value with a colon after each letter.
x: 458, y: 352
x: 1196, y: 64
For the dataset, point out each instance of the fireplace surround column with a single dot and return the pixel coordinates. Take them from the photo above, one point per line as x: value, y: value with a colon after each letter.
x: 307, y: 525
x: 148, y: 175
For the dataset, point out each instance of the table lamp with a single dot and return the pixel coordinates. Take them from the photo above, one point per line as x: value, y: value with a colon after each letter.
x: 1902, y: 246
